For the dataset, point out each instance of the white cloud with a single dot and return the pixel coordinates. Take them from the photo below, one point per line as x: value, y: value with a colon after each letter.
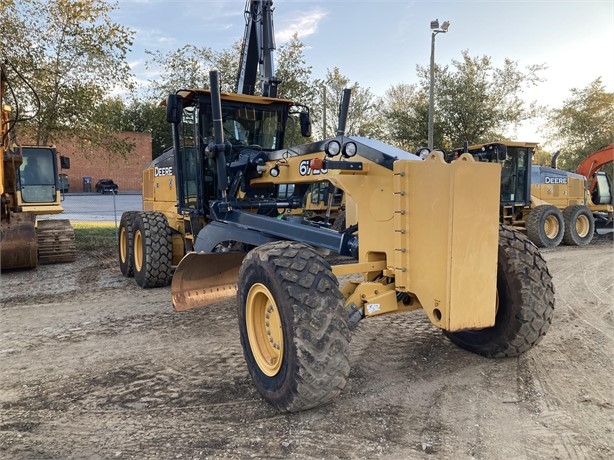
x: 155, y: 38
x: 304, y: 24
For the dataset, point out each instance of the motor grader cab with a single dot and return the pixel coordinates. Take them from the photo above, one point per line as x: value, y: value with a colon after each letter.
x: 549, y: 204
x: 179, y: 184
x: 427, y: 237
x: 173, y: 184
x: 30, y: 187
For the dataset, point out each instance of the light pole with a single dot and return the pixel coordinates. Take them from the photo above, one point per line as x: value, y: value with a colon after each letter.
x: 435, y: 30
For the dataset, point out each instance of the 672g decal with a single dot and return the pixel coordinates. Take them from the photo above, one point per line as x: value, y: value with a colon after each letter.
x: 304, y: 169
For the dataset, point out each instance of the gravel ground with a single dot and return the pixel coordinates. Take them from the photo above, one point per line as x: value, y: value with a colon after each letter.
x: 91, y: 366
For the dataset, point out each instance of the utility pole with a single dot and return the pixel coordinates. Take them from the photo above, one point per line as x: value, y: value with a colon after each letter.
x: 435, y: 29
x: 324, y: 112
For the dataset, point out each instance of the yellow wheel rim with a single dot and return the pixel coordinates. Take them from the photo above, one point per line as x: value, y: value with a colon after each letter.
x: 123, y: 244
x: 582, y: 226
x: 264, y: 330
x: 138, y: 251
x: 551, y: 227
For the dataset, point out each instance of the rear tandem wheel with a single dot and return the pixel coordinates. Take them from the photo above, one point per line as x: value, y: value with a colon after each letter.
x: 545, y: 226
x: 525, y: 301
x: 152, y: 250
x: 293, y: 326
x: 125, y: 246
x: 579, y: 225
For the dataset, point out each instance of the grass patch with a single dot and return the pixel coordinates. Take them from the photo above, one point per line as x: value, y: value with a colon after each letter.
x: 95, y: 235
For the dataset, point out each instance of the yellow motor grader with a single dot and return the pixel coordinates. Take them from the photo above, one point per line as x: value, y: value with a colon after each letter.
x: 550, y: 205
x: 425, y: 235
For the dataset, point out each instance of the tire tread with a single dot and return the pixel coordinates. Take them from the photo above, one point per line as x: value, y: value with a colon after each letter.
x: 319, y: 323
x: 533, y: 309
x: 157, y: 250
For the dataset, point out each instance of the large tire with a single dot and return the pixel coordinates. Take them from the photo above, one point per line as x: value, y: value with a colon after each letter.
x: 545, y: 226
x: 153, y: 250
x: 293, y: 326
x: 579, y: 225
x: 124, y: 243
x: 525, y: 297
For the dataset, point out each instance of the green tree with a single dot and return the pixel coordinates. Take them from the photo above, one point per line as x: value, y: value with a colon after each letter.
x: 583, y: 124
x: 296, y: 84
x: 294, y: 72
x: 542, y: 157
x: 479, y: 102
x: 405, y: 115
x: 72, y: 55
x: 188, y: 67
x: 363, y: 114
x: 139, y: 116
x: 15, y: 42
x: 475, y: 101
x: 184, y: 68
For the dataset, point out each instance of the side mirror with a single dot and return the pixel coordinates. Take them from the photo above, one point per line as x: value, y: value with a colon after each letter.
x: 64, y: 162
x: 174, y: 107
x: 305, y: 121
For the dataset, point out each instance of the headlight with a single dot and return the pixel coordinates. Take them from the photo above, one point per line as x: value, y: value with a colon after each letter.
x: 349, y: 149
x: 423, y: 153
x: 274, y: 172
x: 332, y: 148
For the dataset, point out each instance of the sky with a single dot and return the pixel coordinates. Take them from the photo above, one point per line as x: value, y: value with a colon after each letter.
x: 379, y: 43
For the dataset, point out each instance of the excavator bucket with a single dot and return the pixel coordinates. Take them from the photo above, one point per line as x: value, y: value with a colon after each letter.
x: 19, y: 243
x: 205, y: 278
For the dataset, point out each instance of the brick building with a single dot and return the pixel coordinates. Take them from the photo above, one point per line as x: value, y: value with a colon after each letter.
x: 127, y: 172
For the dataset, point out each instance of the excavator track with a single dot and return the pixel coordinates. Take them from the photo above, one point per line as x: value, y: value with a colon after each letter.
x: 56, y: 241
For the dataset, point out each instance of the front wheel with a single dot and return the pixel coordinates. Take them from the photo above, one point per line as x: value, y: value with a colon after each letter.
x: 525, y: 302
x: 293, y: 326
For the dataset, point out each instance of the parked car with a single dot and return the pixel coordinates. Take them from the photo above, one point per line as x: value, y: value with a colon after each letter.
x: 106, y: 185
x: 64, y: 183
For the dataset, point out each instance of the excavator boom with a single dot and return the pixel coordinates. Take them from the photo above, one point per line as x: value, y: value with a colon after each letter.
x: 256, y: 62
x: 590, y: 166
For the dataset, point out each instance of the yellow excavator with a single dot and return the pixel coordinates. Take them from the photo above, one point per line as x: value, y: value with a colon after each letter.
x: 29, y: 187
x: 420, y: 234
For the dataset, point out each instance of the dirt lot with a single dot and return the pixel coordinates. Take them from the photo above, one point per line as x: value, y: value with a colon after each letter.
x: 92, y: 366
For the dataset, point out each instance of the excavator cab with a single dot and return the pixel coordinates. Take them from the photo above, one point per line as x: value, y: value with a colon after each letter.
x: 38, y: 179
x: 602, y: 193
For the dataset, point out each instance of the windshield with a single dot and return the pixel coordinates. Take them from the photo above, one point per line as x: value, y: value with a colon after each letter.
x: 602, y: 193
x: 246, y: 124
x: 37, y: 175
